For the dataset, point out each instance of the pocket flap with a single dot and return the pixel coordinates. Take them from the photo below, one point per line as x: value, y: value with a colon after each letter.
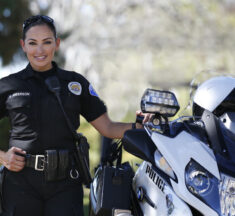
x: 17, y: 101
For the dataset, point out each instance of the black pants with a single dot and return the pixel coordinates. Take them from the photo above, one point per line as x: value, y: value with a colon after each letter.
x: 26, y: 193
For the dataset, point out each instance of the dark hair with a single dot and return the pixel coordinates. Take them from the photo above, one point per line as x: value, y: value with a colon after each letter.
x: 38, y: 20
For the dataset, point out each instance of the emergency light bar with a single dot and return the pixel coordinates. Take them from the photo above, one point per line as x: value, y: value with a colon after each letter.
x: 161, y: 102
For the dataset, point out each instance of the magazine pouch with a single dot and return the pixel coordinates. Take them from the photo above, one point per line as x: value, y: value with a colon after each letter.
x: 51, y: 165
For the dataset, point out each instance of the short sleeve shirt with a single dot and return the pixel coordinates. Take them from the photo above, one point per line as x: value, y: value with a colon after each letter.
x: 37, y: 121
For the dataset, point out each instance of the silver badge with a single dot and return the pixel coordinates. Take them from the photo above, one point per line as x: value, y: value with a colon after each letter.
x: 75, y: 88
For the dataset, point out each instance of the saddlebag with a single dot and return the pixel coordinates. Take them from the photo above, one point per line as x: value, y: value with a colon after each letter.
x: 111, y: 189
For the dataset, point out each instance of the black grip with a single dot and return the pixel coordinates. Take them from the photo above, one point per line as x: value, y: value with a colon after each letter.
x: 139, y: 119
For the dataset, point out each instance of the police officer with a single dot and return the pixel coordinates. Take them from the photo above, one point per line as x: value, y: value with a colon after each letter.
x: 38, y: 125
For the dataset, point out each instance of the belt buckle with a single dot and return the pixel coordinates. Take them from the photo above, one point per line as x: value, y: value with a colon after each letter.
x: 41, y: 168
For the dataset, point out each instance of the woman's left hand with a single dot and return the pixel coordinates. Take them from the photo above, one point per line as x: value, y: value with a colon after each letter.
x: 146, y: 118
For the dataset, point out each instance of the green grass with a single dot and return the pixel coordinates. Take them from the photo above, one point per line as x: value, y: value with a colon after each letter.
x: 86, y: 201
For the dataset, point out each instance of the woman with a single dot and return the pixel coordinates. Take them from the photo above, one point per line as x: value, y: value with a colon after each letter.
x: 39, y: 128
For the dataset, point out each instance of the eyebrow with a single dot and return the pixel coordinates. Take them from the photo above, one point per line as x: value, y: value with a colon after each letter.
x: 49, y: 38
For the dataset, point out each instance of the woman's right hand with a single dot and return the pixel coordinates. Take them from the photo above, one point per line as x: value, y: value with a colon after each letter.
x: 13, y: 161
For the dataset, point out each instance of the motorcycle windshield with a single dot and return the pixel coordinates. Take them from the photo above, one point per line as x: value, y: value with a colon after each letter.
x: 226, y: 160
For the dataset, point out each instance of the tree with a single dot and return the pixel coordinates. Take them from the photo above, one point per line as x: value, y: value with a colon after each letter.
x: 12, y: 15
x: 123, y: 46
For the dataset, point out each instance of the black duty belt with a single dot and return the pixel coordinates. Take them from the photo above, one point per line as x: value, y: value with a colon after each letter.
x: 36, y: 162
x: 50, y: 164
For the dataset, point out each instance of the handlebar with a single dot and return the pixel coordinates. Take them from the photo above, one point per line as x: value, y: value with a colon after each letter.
x: 139, y: 119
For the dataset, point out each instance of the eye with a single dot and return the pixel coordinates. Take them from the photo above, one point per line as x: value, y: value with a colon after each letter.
x: 32, y: 43
x: 48, y: 42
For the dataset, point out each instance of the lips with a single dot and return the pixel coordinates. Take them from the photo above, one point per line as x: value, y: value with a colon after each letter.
x: 40, y: 58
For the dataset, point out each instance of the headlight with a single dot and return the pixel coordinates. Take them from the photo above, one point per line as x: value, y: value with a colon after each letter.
x: 227, y: 195
x: 203, y: 185
x: 198, y: 181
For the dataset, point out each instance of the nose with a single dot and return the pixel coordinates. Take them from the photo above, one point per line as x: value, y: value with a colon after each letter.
x: 39, y: 49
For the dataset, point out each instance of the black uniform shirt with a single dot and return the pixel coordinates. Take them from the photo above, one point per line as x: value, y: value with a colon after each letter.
x: 37, y: 122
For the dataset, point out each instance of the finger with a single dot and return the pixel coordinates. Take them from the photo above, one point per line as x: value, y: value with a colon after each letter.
x: 13, y: 167
x: 19, y: 163
x: 15, y: 157
x: 146, y: 118
x: 16, y: 149
x: 16, y: 160
x: 19, y: 158
x: 138, y: 112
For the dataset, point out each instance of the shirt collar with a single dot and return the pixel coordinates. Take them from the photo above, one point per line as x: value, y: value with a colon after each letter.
x: 28, y: 73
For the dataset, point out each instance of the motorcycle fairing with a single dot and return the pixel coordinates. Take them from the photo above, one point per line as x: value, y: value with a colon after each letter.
x: 138, y: 143
x: 178, y: 152
x: 157, y: 191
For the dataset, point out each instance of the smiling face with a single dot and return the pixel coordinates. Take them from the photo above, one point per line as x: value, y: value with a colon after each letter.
x: 40, y: 45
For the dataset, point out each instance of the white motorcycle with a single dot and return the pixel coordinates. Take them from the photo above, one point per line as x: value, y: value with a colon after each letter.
x: 189, y: 163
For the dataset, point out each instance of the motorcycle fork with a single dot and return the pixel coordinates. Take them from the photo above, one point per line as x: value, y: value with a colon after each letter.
x: 135, y: 208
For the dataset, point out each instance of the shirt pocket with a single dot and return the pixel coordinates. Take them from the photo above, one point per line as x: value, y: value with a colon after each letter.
x: 18, y: 108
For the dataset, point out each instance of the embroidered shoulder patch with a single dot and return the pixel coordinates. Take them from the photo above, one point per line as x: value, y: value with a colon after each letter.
x: 92, y: 91
x: 75, y: 88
